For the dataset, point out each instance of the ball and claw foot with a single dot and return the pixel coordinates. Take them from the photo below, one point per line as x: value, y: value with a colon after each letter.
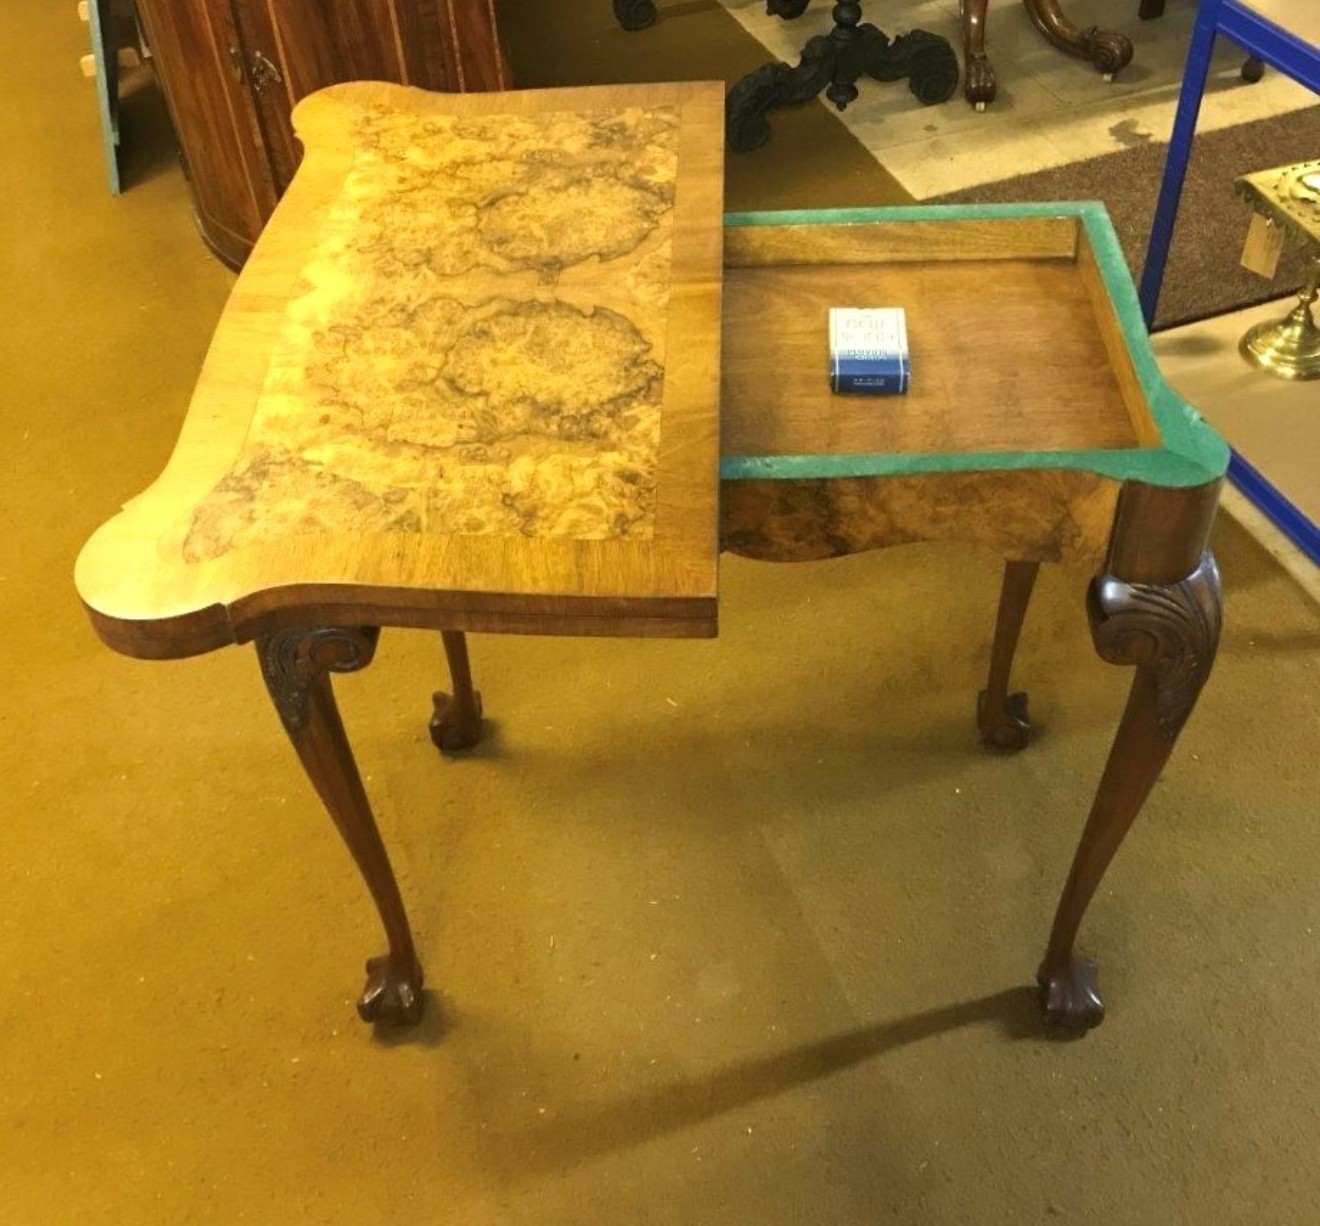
x: 393, y: 996
x: 1070, y: 999
x: 455, y: 725
x: 979, y: 84
x: 1006, y: 730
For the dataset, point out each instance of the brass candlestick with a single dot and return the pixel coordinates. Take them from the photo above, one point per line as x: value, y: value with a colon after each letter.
x: 1289, y: 197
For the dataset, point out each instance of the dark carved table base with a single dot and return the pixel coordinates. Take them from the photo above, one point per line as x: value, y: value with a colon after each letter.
x: 1170, y: 633
x: 834, y: 63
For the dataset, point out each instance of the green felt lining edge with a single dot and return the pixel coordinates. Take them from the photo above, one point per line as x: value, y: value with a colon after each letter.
x: 1192, y: 452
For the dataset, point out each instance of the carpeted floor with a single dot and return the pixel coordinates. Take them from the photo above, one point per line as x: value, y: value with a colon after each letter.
x: 1204, y: 276
x: 726, y: 932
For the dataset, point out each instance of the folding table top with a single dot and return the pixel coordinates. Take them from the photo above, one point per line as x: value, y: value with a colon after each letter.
x: 471, y: 368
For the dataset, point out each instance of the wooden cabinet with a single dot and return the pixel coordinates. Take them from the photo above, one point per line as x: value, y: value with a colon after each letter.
x: 231, y: 71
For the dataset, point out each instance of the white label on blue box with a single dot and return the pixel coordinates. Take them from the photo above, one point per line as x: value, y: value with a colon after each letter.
x: 868, y: 350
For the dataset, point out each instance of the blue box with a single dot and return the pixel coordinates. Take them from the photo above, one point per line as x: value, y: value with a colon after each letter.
x: 869, y: 350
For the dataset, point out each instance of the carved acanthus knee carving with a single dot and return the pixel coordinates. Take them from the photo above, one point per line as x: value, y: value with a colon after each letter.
x: 293, y: 661
x: 1172, y: 629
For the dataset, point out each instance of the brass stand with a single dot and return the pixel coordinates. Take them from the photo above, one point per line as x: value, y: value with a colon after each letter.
x: 1288, y: 197
x: 1289, y: 347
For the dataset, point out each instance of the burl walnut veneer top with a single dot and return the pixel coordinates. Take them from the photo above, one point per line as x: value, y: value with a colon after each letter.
x: 472, y: 365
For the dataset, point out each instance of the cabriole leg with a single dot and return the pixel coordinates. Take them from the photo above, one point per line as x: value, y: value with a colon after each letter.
x: 456, y: 721
x: 1108, y: 51
x: 1001, y: 716
x: 296, y: 665
x: 979, y: 85
x: 1170, y: 633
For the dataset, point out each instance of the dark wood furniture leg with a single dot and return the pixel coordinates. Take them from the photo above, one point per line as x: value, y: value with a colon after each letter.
x: 1169, y: 632
x: 1001, y: 716
x: 1107, y: 50
x: 979, y: 84
x: 296, y: 665
x: 456, y: 721
x: 1150, y: 8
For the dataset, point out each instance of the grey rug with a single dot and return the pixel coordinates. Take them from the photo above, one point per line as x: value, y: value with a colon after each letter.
x: 1203, y: 276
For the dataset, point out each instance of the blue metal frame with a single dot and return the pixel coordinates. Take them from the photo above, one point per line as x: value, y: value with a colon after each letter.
x: 1286, y: 517
x: 1263, y: 39
x: 1299, y: 60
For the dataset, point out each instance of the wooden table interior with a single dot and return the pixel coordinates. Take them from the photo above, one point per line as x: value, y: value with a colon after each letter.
x: 1010, y: 353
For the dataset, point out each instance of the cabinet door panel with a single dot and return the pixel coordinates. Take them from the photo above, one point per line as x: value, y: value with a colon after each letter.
x: 270, y: 87
x: 472, y: 41
x: 450, y: 45
x: 323, y: 42
x: 422, y: 27
x: 213, y: 118
x: 234, y: 69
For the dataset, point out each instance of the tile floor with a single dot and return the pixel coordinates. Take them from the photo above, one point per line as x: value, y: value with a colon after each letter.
x: 1051, y: 110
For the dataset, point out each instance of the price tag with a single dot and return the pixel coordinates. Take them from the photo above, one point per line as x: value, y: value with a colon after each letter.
x: 1260, y: 253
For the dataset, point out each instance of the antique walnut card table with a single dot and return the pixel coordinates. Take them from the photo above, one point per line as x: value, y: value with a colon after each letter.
x: 498, y: 364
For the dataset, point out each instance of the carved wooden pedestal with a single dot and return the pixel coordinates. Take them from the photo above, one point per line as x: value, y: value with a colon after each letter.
x: 834, y: 63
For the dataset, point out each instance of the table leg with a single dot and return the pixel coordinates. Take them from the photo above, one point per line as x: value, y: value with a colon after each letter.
x: 979, y: 85
x: 456, y: 721
x: 1169, y: 632
x: 296, y: 665
x: 1001, y: 716
x: 1107, y: 50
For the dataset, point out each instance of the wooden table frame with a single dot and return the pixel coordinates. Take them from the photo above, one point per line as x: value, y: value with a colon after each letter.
x: 1120, y: 476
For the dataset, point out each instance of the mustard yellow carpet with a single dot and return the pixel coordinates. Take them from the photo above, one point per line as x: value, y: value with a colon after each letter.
x: 738, y: 931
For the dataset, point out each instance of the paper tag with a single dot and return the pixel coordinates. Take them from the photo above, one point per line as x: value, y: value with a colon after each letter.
x: 1260, y: 253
